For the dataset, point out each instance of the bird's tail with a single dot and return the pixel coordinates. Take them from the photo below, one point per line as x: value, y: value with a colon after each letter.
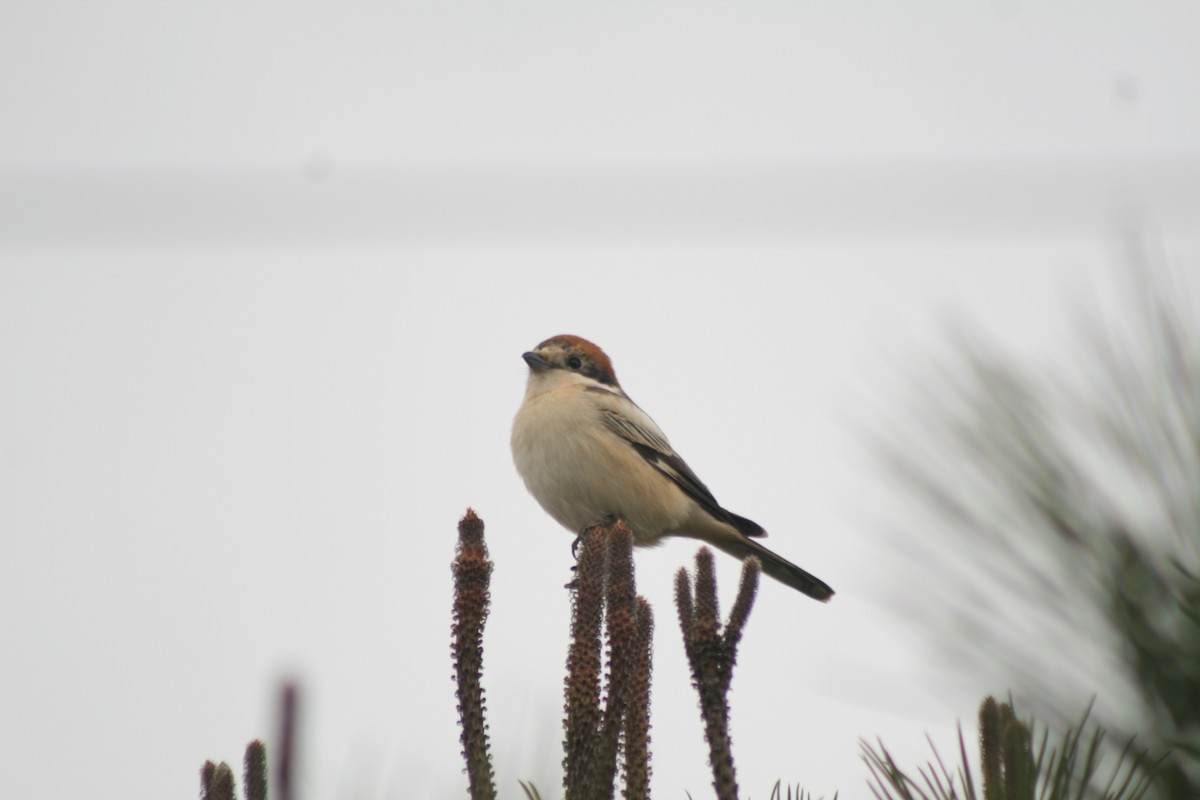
x: 775, y: 565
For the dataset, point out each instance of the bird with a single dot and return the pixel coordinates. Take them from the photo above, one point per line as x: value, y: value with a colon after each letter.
x: 588, y: 454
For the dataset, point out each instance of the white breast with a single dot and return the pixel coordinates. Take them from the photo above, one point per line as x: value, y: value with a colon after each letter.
x: 582, y: 473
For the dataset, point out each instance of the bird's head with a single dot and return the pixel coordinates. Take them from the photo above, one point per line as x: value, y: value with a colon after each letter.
x: 570, y: 359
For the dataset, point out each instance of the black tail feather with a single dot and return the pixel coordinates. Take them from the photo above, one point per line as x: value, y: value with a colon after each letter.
x: 777, y: 567
x: 746, y: 527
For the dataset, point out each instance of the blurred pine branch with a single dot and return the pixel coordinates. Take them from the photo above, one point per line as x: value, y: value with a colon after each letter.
x: 1012, y: 769
x: 1069, y: 497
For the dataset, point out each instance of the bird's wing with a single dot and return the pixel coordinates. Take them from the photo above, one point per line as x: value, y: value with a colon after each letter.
x: 639, y: 431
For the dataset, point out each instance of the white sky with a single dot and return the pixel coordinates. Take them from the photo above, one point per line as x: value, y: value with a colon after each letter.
x: 266, y: 273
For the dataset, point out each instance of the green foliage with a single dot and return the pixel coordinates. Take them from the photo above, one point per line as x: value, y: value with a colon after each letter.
x: 1012, y: 769
x: 781, y: 792
x: 1069, y: 497
x: 531, y: 791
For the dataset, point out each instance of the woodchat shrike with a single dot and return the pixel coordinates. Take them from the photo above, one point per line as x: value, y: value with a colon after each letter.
x: 588, y: 454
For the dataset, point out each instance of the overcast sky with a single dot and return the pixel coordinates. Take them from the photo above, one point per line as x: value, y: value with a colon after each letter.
x: 267, y: 270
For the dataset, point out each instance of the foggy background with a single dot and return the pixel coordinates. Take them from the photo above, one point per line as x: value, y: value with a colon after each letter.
x: 267, y: 270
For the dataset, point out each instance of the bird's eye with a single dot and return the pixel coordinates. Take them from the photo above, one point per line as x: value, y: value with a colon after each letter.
x: 574, y: 363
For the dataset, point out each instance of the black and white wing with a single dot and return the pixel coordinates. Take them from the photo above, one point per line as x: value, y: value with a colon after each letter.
x: 648, y: 440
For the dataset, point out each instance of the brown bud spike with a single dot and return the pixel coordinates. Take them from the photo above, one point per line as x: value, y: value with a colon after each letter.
x: 637, y: 718
x: 223, y: 786
x: 472, y: 579
x: 1018, y: 758
x: 621, y: 590
x: 287, y: 743
x: 621, y: 610
x: 470, y: 531
x: 254, y: 779
x: 751, y: 569
x: 582, y: 723
x: 991, y: 748
x: 683, y: 602
x: 711, y: 657
x: 707, y: 612
x: 207, y: 772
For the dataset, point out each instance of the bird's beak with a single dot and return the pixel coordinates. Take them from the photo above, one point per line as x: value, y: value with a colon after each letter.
x: 536, y: 362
